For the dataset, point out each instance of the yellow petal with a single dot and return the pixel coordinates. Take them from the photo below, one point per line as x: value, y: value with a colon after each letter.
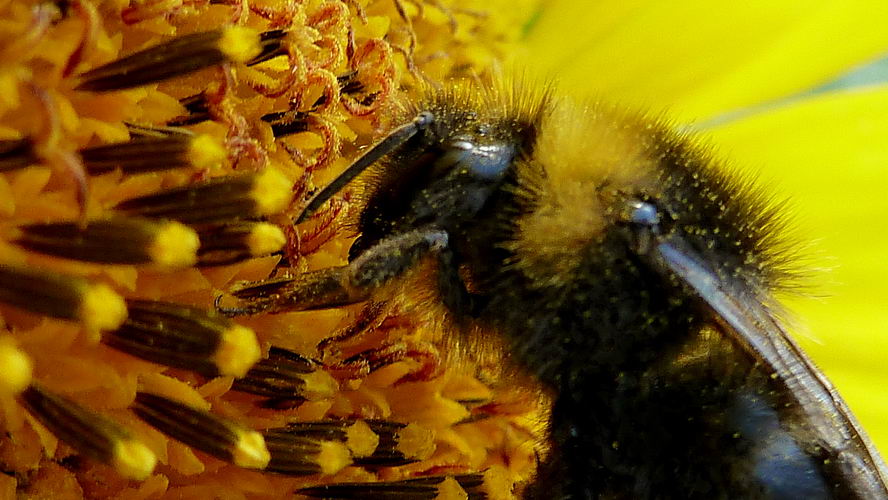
x: 700, y: 58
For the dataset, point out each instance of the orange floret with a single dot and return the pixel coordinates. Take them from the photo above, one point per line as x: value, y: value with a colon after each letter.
x: 234, y: 112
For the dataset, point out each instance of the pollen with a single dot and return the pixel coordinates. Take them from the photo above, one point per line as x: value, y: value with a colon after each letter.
x: 205, y: 151
x: 133, y: 459
x: 250, y: 451
x: 239, y: 44
x: 264, y: 239
x: 271, y: 192
x: 17, y: 369
x: 237, y: 351
x: 175, y: 245
x: 101, y: 308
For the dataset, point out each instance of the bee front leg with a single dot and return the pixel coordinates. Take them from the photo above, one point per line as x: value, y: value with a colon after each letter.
x: 336, y: 286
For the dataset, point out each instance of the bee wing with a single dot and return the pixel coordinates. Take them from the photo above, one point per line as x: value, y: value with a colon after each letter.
x: 745, y: 318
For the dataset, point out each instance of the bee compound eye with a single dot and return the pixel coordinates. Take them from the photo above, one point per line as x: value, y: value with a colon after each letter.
x: 485, y: 162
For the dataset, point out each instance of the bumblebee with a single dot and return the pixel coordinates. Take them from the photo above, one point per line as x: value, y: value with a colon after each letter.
x: 622, y: 267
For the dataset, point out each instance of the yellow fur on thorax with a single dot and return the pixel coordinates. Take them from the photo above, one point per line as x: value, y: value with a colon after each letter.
x: 583, y: 158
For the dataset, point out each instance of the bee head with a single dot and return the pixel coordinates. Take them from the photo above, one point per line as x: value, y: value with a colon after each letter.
x: 448, y: 178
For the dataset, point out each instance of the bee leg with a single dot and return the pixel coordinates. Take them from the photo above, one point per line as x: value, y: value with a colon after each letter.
x: 392, y: 257
x: 452, y: 289
x: 313, y: 290
x: 336, y: 286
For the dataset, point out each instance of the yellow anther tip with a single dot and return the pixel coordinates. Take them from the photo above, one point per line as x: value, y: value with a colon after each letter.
x: 450, y: 489
x: 175, y: 246
x: 416, y: 442
x: 362, y: 441
x: 319, y: 385
x: 272, y: 191
x: 101, y: 308
x: 238, y: 351
x: 333, y: 457
x: 250, y: 451
x: 240, y: 44
x: 16, y: 369
x: 133, y: 459
x: 205, y: 151
x: 265, y: 238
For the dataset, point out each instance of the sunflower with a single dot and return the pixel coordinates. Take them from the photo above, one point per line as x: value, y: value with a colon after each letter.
x: 154, y: 153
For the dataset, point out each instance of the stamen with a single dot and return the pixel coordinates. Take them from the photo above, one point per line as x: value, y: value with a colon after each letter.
x: 287, y: 375
x: 284, y: 123
x: 94, y: 305
x: 321, y: 288
x: 296, y: 455
x: 176, y: 57
x: 118, y: 240
x: 143, y: 131
x: 220, y: 437
x: 399, y: 444
x: 424, y: 488
x: 217, y: 200
x: 185, y: 337
x: 89, y: 433
x: 230, y: 243
x: 272, y: 42
x: 154, y: 154
x: 16, y: 153
x: 354, y: 434
x: 198, y: 107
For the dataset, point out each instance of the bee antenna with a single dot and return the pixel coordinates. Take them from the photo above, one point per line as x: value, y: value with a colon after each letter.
x: 391, y: 142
